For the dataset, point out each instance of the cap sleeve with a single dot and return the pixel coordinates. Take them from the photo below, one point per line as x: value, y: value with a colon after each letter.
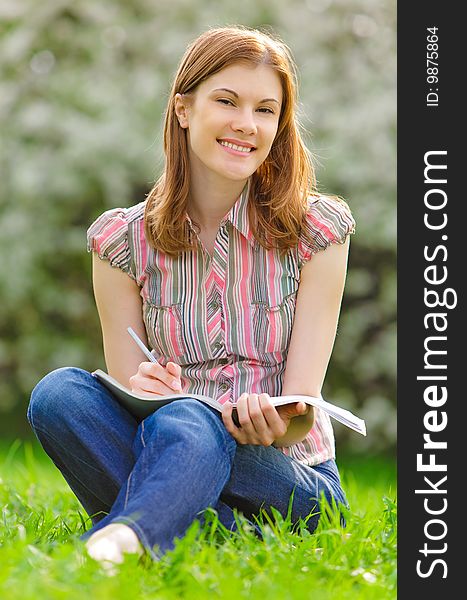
x: 117, y: 235
x: 328, y: 221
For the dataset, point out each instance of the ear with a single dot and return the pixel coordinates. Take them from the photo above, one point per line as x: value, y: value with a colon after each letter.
x: 181, y: 110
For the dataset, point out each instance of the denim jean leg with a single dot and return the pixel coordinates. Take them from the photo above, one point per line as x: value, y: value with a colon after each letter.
x: 159, y: 476
x: 183, y: 466
x: 263, y: 476
x: 86, y: 433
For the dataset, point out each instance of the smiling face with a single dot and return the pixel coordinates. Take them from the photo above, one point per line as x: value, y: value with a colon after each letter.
x: 231, y: 121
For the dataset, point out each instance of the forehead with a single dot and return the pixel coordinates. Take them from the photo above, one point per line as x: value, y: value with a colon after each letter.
x: 256, y: 80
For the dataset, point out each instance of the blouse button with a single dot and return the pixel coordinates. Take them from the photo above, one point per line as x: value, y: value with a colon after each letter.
x: 223, y: 387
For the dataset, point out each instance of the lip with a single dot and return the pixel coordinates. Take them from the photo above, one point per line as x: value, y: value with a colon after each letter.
x: 237, y: 142
x: 238, y: 153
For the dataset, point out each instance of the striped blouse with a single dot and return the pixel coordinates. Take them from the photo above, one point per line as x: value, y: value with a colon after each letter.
x: 226, y: 319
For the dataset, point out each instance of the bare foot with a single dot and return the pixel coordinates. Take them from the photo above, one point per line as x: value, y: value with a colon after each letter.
x: 109, y: 544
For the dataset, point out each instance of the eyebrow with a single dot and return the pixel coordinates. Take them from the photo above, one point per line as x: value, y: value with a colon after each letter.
x: 236, y: 95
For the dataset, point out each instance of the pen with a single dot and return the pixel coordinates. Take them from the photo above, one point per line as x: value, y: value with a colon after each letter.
x: 151, y: 356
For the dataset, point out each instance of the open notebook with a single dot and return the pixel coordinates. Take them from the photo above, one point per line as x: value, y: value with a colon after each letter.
x: 141, y: 406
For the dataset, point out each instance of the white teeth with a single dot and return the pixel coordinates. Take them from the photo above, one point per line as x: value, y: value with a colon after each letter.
x: 235, y: 147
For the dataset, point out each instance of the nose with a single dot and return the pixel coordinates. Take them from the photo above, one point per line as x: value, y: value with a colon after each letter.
x: 245, y: 122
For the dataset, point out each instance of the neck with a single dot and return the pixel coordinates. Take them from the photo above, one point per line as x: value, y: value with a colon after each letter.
x: 208, y: 204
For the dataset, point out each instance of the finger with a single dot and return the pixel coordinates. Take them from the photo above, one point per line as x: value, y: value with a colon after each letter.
x: 229, y: 424
x: 152, y: 378
x: 289, y: 411
x: 253, y: 423
x: 244, y: 415
x: 227, y: 417
x: 174, y: 369
x: 256, y: 415
x: 157, y: 371
x: 147, y: 387
x: 275, y: 423
x: 298, y: 408
x: 150, y: 385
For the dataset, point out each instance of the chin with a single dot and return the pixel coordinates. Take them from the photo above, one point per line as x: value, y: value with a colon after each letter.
x: 237, y: 174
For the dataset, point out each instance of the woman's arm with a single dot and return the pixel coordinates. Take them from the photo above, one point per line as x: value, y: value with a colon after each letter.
x: 119, y: 305
x: 316, y: 316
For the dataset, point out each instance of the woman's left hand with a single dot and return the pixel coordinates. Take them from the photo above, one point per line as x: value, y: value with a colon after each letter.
x: 260, y: 422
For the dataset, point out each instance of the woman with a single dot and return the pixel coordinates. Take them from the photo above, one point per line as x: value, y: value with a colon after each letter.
x: 233, y: 271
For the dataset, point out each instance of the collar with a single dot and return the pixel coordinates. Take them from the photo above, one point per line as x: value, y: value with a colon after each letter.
x: 238, y: 215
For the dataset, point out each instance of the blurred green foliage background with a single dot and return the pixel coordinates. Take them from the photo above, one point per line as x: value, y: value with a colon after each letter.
x: 82, y: 94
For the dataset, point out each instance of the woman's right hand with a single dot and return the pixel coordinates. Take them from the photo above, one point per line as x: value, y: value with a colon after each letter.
x: 153, y: 378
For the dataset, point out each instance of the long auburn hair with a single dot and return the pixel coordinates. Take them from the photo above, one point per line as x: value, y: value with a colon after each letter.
x: 278, y: 189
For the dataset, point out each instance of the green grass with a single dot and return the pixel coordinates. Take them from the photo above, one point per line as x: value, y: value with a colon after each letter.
x: 41, y: 555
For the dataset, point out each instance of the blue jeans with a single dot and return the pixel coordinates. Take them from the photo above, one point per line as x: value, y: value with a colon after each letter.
x: 158, y: 475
